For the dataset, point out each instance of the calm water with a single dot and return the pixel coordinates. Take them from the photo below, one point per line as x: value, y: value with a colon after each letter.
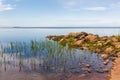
x: 28, y: 52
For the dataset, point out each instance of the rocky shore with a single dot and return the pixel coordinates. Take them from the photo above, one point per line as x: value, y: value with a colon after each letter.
x: 107, y: 46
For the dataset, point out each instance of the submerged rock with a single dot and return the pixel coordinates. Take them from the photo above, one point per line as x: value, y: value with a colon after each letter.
x: 82, y: 75
x: 88, y: 65
x: 106, y: 62
x: 102, y: 70
x: 104, y: 56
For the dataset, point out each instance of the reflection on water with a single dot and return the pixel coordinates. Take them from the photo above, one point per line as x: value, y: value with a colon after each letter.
x: 47, y: 57
x: 22, y: 59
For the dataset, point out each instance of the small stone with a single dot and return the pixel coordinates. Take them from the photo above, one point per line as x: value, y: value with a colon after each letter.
x: 106, y: 62
x: 104, y: 56
x: 88, y: 65
x: 105, y: 70
x: 89, y: 70
x: 102, y: 70
x: 82, y: 75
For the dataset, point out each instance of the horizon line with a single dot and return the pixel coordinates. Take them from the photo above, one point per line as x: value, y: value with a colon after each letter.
x: 18, y: 27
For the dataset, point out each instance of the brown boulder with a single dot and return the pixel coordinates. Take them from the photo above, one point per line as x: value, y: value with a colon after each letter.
x: 91, y: 38
x: 116, y: 44
x: 114, y: 39
x: 109, y: 50
x: 79, y: 42
x: 104, y: 38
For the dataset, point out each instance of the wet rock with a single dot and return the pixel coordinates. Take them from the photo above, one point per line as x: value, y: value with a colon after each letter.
x: 112, y: 58
x: 88, y: 65
x: 82, y: 75
x: 102, y: 70
x: 89, y: 70
x: 106, y: 62
x: 104, y: 56
x: 85, y: 48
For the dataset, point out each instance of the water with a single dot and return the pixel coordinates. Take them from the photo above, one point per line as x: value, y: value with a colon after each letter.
x: 26, y: 54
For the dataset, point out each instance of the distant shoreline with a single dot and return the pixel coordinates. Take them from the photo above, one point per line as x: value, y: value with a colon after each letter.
x: 60, y: 27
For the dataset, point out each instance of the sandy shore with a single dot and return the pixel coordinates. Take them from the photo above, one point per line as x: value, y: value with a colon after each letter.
x: 115, y: 71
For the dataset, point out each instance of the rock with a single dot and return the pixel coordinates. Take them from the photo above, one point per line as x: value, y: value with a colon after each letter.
x: 105, y: 70
x: 98, y: 50
x: 112, y: 58
x: 104, y: 38
x: 104, y: 56
x: 116, y: 44
x: 109, y: 50
x: 85, y: 48
x: 88, y: 65
x: 102, y: 70
x: 114, y: 39
x: 82, y: 75
x: 79, y: 42
x: 72, y: 34
x: 77, y: 34
x: 99, y: 43
x: 91, y: 37
x: 106, y: 62
x: 108, y: 42
x: 89, y: 70
x: 118, y: 53
x: 81, y: 37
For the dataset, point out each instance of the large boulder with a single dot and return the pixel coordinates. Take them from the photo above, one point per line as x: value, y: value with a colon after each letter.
x: 91, y: 37
x: 79, y: 42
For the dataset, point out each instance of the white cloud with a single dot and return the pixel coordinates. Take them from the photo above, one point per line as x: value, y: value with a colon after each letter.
x: 5, y: 7
x: 96, y: 8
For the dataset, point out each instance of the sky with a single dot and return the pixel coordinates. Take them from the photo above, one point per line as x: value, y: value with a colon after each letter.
x: 34, y: 13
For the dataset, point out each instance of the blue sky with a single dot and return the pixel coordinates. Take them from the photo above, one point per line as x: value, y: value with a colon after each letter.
x: 59, y: 13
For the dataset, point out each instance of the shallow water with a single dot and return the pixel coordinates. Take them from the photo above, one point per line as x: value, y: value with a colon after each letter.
x: 26, y: 54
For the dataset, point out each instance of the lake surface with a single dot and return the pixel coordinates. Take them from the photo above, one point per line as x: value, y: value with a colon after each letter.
x: 26, y: 54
